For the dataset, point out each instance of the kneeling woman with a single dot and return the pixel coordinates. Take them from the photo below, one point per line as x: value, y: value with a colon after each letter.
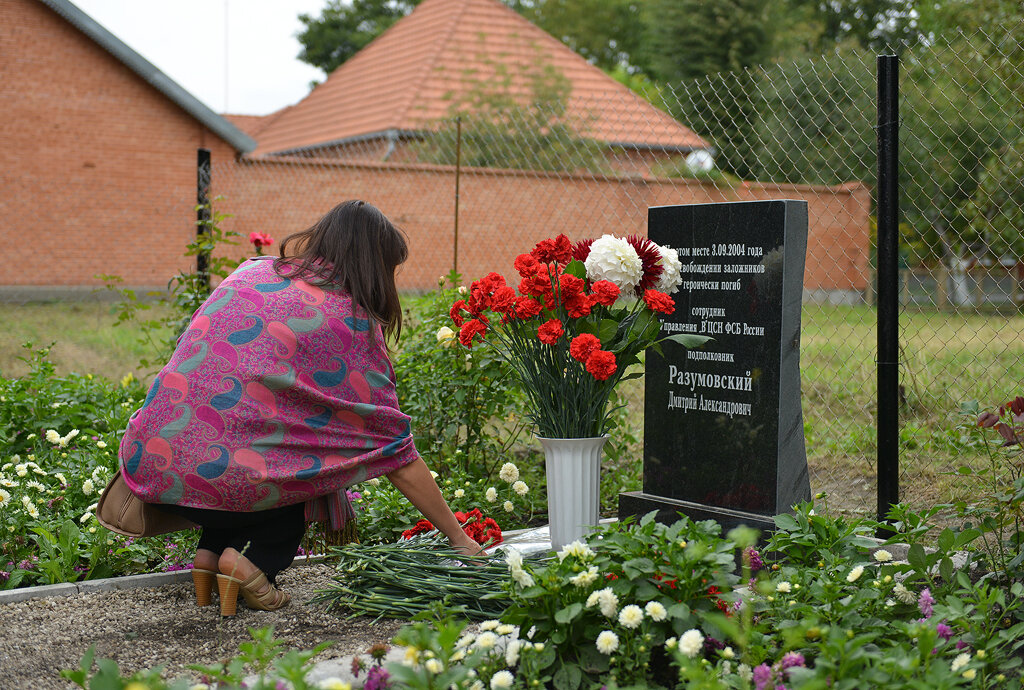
x: 279, y: 395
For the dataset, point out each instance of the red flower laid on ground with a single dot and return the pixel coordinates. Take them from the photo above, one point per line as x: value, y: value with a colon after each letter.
x: 480, y: 529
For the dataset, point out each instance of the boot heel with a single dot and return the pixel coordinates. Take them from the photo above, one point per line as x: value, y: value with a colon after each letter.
x: 228, y: 588
x: 204, y: 582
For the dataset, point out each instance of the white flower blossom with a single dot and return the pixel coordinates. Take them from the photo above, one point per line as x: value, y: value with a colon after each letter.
x: 459, y: 493
x: 959, y: 662
x: 60, y: 478
x: 52, y: 436
x: 670, y: 278
x: 577, y: 549
x: 4, y: 498
x: 613, y: 258
x: 512, y: 653
x: 903, y: 594
x: 608, y: 602
x: 585, y: 578
x: 745, y: 672
x: 883, y: 556
x: 691, y: 643
x: 445, y: 336
x: 433, y: 666
x: 334, y: 683
x: 783, y: 587
x: 489, y: 625
x: 486, y: 640
x: 507, y: 629
x: 101, y: 444
x: 491, y: 495
x: 88, y: 487
x: 855, y: 574
x: 465, y: 640
x: 502, y: 680
x: 21, y: 470
x: 607, y: 642
x: 656, y: 611
x: 521, y: 488
x: 509, y: 472
x: 631, y: 616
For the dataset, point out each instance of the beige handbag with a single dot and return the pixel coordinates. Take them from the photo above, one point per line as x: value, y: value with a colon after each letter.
x: 121, y: 511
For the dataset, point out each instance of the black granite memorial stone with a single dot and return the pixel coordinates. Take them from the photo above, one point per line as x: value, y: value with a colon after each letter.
x: 723, y: 429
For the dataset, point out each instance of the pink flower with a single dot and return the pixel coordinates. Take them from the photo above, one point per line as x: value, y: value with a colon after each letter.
x: 260, y: 239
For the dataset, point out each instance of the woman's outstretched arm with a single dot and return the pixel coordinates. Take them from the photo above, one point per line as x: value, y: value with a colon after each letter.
x: 416, y: 483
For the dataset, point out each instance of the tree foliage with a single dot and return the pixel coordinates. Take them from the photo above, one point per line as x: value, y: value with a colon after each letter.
x: 344, y: 28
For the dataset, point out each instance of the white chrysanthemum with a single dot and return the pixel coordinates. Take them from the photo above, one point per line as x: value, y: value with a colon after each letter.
x: 608, y: 602
x: 35, y: 485
x: 631, y: 616
x: 691, y: 643
x: 491, y: 495
x: 593, y: 600
x: 656, y: 611
x: 9, y: 483
x: 509, y: 472
x: 612, y: 258
x: 433, y: 666
x: 855, y: 574
x: 670, y: 278
x: 784, y: 587
x: 412, y: 656
x: 671, y: 644
x: 745, y: 672
x: 32, y: 511
x: 88, y: 487
x: 489, y: 625
x: 904, y: 594
x: 85, y: 518
x: 459, y: 493
x: 199, y: 686
x: 101, y: 444
x: 375, y: 481
x: 508, y: 507
x: 465, y: 640
x: 512, y: 653
x: 61, y: 478
x: 577, y: 549
x: 507, y: 629
x: 586, y: 578
x: 4, y: 498
x: 477, y: 684
x: 607, y: 642
x: 521, y: 488
x: 486, y: 640
x: 515, y: 566
x: 21, y: 470
x: 959, y: 662
x: 502, y: 680
x: 458, y: 655
x: 728, y: 653
x: 514, y: 559
x: 883, y: 556
x: 334, y: 683
x: 52, y: 436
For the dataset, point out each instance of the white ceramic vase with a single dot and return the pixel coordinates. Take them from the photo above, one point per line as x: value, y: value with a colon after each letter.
x: 573, y: 468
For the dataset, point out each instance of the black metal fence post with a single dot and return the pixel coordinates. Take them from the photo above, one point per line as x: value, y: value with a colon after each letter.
x: 888, y: 283
x: 203, y: 214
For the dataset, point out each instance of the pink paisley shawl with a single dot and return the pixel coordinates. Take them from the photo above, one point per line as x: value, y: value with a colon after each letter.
x: 276, y: 394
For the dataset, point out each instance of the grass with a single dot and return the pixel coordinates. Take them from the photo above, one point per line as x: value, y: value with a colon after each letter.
x: 946, y: 359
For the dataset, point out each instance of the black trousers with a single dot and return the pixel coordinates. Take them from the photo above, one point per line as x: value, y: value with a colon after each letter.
x: 268, y: 538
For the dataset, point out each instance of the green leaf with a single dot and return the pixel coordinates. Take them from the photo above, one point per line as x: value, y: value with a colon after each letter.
x: 946, y: 568
x: 916, y: 557
x: 568, y: 677
x: 606, y: 330
x: 576, y: 268
x: 569, y: 613
x: 946, y: 539
x: 787, y: 522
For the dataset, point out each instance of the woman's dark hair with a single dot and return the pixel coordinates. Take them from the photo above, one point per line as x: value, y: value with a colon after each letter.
x: 355, y: 247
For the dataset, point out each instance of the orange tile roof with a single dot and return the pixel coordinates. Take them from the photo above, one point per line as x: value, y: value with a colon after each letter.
x: 410, y: 75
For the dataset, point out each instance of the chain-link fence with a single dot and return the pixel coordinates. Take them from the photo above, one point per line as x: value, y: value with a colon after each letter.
x: 508, y: 168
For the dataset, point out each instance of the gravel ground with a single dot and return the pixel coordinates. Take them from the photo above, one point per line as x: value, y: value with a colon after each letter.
x: 162, y: 626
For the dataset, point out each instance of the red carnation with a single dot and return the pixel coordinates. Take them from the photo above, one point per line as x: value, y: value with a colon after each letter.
x: 659, y: 301
x: 584, y: 345
x: 537, y: 285
x: 456, y: 312
x: 558, y: 250
x: 471, y: 329
x: 260, y: 239
x: 605, y: 292
x: 550, y: 331
x: 578, y: 305
x: 418, y: 528
x: 570, y: 285
x: 581, y: 250
x: 503, y: 299
x: 601, y: 364
x: 650, y: 257
x: 527, y: 265
x: 527, y: 308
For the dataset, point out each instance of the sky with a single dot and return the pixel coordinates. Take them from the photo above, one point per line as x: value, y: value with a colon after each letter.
x: 236, y: 56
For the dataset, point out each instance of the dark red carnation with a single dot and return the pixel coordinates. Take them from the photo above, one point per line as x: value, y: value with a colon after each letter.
x: 527, y: 265
x: 550, y: 331
x: 601, y: 364
x: 456, y: 312
x: 472, y: 329
x: 570, y: 285
x: 584, y: 345
x: 650, y: 257
x: 418, y: 528
x: 536, y: 286
x: 558, y: 250
x: 659, y: 302
x: 503, y: 299
x: 604, y: 292
x: 578, y: 305
x: 527, y: 308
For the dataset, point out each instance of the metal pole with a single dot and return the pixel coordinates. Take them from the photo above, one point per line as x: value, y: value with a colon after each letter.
x: 458, y: 174
x: 203, y: 214
x: 888, y: 283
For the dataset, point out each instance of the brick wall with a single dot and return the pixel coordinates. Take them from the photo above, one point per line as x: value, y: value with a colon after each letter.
x: 504, y: 213
x: 97, y: 168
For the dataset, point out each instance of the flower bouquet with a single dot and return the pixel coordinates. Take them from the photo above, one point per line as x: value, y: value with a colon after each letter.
x: 582, y: 315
